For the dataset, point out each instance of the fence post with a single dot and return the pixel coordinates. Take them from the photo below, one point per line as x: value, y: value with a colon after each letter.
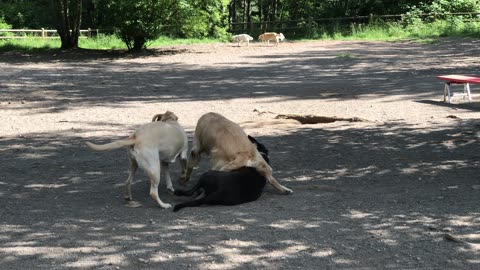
x: 43, y: 33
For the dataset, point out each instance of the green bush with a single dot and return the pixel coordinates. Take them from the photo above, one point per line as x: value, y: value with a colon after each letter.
x: 4, y: 26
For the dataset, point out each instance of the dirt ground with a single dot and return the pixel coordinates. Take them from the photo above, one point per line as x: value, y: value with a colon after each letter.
x: 380, y: 194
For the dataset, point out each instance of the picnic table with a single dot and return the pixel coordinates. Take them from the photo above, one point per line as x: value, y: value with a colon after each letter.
x: 458, y: 79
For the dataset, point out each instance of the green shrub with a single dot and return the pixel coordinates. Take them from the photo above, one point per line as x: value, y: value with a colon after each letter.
x: 4, y: 25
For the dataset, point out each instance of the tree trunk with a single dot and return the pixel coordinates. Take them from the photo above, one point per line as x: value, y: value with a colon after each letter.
x: 244, y: 19
x: 232, y: 13
x: 249, y: 15
x: 139, y: 43
x: 68, y: 14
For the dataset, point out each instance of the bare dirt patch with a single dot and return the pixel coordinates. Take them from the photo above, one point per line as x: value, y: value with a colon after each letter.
x: 377, y: 194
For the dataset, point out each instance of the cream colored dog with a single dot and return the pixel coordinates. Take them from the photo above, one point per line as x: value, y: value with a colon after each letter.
x: 266, y: 37
x: 229, y: 149
x: 152, y: 147
x: 242, y: 38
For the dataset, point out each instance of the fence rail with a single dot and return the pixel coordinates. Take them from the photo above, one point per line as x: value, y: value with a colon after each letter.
x: 40, y: 33
x: 294, y: 28
x: 304, y: 28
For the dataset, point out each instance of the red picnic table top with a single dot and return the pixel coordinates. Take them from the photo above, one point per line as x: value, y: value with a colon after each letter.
x: 459, y: 79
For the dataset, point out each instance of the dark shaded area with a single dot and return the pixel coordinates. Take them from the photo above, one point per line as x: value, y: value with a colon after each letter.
x: 376, y: 197
x: 78, y: 55
x: 359, y: 194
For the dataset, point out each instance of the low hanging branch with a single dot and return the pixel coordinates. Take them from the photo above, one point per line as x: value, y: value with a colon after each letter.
x: 313, y: 119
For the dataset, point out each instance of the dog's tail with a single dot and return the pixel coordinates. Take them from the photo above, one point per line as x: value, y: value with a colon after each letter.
x: 194, y: 190
x: 193, y: 203
x: 113, y: 145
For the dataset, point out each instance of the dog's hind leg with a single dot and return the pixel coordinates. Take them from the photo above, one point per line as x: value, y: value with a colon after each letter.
x: 131, y: 176
x: 194, y: 190
x: 189, y: 204
x: 265, y: 170
x: 215, y: 198
x: 150, y: 161
x: 166, y: 171
x: 276, y: 185
x: 238, y: 162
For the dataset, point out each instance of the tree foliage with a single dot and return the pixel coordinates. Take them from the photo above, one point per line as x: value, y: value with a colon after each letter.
x: 25, y: 13
x: 139, y: 21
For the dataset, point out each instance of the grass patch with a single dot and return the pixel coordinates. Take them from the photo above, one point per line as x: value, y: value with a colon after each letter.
x: 394, y: 31
x: 168, y: 41
x: 100, y: 42
x: 28, y: 44
x: 377, y: 31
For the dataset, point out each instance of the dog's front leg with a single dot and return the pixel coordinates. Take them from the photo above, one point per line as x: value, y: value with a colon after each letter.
x: 193, y: 160
x: 183, y: 165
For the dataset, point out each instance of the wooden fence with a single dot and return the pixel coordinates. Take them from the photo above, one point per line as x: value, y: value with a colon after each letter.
x: 293, y: 28
x: 305, y: 28
x: 40, y: 33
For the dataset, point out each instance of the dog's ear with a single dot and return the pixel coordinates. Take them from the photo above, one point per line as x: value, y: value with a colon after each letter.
x: 168, y: 115
x: 157, y: 117
x: 252, y: 139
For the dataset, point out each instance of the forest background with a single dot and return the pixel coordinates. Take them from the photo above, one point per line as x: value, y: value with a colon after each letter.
x: 138, y: 23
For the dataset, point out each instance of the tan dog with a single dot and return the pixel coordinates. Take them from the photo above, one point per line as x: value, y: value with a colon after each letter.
x: 266, y: 37
x: 152, y: 147
x: 229, y: 149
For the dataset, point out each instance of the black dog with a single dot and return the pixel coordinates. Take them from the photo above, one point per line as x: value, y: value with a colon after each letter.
x: 227, y: 188
x: 261, y: 149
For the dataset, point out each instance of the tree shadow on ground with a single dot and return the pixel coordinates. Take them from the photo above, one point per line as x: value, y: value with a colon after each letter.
x: 317, y: 73
x: 362, y: 195
x: 470, y: 106
x: 79, y: 55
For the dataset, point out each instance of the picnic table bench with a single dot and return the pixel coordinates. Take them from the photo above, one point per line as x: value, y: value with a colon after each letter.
x: 458, y: 79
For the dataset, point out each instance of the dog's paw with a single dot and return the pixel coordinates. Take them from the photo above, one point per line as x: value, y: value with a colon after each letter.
x: 287, y: 191
x: 133, y: 204
x: 182, y: 180
x: 166, y: 206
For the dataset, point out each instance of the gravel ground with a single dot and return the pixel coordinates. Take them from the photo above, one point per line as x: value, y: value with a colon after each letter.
x: 379, y: 194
